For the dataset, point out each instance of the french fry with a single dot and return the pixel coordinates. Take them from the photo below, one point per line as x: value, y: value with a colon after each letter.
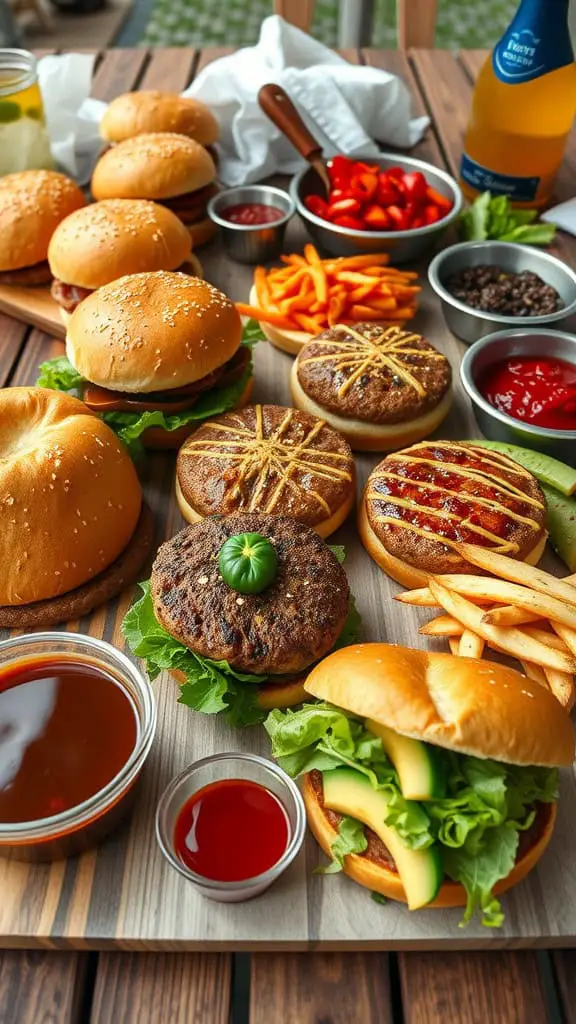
x: 487, y: 589
x: 545, y: 637
x: 454, y: 645
x: 442, y: 625
x: 518, y: 572
x: 471, y: 645
x: 510, y: 640
x: 534, y: 672
x: 562, y: 686
x: 565, y: 634
x: 421, y: 598
x: 270, y: 316
x: 508, y: 615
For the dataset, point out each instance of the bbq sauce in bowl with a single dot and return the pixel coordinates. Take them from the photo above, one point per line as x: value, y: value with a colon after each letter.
x: 67, y: 729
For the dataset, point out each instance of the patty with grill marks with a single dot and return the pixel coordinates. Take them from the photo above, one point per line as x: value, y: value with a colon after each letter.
x: 284, y: 629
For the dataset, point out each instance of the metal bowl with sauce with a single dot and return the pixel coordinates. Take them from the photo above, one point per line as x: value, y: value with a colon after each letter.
x: 41, y: 743
x: 499, y: 426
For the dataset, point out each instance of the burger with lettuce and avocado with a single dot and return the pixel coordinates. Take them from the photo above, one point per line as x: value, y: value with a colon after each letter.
x: 238, y: 608
x: 154, y: 354
x: 427, y: 778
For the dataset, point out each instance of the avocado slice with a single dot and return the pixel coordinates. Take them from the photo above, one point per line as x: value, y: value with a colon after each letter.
x: 420, y: 768
x: 561, y: 523
x: 350, y: 792
x: 546, y: 469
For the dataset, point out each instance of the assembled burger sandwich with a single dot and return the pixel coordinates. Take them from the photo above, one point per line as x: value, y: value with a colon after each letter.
x: 168, y: 168
x: 427, y: 778
x: 150, y: 110
x: 239, y: 608
x: 104, y: 241
x: 380, y: 386
x: 75, y: 531
x: 421, y: 503
x: 154, y: 355
x: 32, y: 205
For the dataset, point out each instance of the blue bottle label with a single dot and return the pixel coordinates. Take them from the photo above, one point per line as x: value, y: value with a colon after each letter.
x: 520, y: 190
x: 537, y: 42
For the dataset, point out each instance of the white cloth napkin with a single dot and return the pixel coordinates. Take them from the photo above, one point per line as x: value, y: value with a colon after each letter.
x: 564, y: 215
x: 72, y: 117
x: 345, y: 106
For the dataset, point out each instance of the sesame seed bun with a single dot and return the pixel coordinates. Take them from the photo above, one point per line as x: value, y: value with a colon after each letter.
x: 153, y: 166
x: 32, y: 205
x: 152, y: 332
x: 378, y: 877
x: 70, y: 496
x: 467, y: 705
x: 137, y: 113
x: 107, y: 240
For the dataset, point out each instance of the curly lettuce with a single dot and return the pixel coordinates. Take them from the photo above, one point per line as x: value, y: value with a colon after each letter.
x: 476, y: 827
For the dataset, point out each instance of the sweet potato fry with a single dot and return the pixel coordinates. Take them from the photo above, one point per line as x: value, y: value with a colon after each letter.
x: 511, y: 640
x: 267, y: 316
x: 442, y: 625
x: 261, y: 285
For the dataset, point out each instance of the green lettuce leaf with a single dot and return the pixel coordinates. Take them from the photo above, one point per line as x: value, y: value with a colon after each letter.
x: 476, y: 826
x: 208, y: 686
x: 350, y: 839
x: 59, y: 375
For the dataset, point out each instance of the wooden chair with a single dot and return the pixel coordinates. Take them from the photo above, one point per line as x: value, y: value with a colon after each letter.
x: 416, y: 20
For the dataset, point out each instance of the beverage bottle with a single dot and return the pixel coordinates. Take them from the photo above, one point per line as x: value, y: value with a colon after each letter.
x: 522, y: 108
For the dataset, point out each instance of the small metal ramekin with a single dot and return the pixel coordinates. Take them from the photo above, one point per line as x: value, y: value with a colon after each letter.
x: 498, y: 426
x: 252, y: 243
x: 213, y: 769
x: 471, y: 324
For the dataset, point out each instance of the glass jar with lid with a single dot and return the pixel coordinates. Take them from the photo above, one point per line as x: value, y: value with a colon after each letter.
x: 24, y: 142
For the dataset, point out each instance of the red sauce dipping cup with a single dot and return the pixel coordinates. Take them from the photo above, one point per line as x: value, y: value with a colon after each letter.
x: 231, y: 824
x: 252, y: 221
x: 77, y: 720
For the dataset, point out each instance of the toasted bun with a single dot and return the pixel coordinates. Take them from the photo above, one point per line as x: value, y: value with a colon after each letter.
x: 171, y: 440
x: 152, y: 167
x: 69, y: 493
x: 404, y: 573
x: 152, y: 332
x: 372, y: 437
x: 378, y: 878
x: 463, y: 704
x: 137, y: 113
x: 104, y: 241
x: 286, y: 341
x: 32, y: 204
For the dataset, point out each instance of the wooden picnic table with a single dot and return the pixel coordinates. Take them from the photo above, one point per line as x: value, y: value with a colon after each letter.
x: 110, y: 938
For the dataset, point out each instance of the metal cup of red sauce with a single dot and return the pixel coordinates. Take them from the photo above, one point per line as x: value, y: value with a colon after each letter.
x: 252, y: 221
x: 231, y: 824
x: 77, y: 720
x: 522, y: 385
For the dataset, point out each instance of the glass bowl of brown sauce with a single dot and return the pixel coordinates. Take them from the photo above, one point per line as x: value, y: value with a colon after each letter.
x: 77, y: 720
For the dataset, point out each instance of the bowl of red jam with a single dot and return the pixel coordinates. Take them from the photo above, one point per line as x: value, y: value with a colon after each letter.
x: 77, y: 720
x: 522, y: 385
x: 231, y: 824
x: 252, y: 221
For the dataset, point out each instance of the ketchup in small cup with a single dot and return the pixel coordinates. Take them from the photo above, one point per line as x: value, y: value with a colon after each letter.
x: 231, y: 824
x: 540, y: 390
x: 250, y: 214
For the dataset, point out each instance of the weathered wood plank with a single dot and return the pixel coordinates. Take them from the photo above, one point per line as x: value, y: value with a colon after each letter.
x: 307, y: 988
x: 448, y: 93
x: 471, y: 988
x: 564, y: 964
x: 12, y: 338
x: 118, y: 72
x: 41, y: 987
x: 472, y: 61
x: 398, y: 64
x: 170, y: 69
x: 38, y: 348
x: 147, y: 988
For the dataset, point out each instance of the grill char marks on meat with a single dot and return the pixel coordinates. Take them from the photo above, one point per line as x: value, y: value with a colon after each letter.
x: 102, y: 400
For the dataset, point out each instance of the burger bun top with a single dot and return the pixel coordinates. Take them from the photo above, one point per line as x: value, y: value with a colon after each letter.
x: 153, y: 166
x: 137, y: 113
x: 32, y: 204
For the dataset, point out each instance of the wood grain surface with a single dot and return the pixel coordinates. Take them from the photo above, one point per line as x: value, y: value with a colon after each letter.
x: 33, y: 306
x: 41, y: 988
x: 124, y: 894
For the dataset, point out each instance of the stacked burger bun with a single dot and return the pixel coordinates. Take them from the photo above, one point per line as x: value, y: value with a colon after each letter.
x: 161, y: 149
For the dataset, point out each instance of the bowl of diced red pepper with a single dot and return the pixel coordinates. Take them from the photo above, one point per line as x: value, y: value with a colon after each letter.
x: 393, y: 203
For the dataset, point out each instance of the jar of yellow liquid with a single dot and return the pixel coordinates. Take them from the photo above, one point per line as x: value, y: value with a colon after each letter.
x: 24, y: 142
x: 523, y: 107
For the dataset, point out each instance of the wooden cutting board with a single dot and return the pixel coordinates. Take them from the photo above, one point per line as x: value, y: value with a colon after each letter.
x: 35, y: 306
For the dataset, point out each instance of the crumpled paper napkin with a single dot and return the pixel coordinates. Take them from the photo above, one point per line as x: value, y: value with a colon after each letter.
x: 345, y: 106
x: 564, y: 215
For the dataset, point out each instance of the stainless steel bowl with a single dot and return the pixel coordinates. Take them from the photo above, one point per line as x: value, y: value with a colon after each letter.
x: 470, y: 324
x: 403, y: 246
x: 252, y: 243
x: 498, y: 426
